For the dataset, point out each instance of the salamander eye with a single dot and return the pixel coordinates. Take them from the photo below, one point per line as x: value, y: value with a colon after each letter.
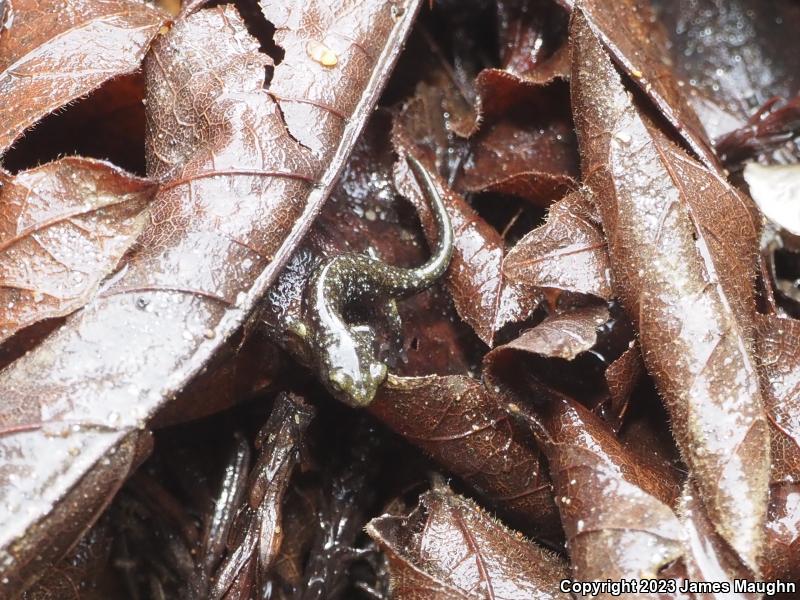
x: 378, y: 372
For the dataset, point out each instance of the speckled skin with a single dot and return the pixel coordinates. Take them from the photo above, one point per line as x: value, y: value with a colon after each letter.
x: 344, y: 353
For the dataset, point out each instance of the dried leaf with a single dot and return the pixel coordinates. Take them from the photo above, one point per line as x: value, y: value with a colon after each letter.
x: 239, y: 193
x: 685, y: 288
x: 64, y: 227
x: 776, y: 190
x: 567, y: 253
x: 52, y: 53
x: 615, y: 509
x: 448, y: 548
x: 457, y: 422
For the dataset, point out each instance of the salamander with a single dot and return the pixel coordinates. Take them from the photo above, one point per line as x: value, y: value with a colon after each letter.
x: 343, y: 352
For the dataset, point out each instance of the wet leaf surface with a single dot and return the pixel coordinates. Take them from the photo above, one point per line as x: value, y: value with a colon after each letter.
x: 65, y: 227
x: 456, y: 421
x: 733, y: 58
x: 777, y: 341
x: 628, y: 528
x: 691, y: 313
x: 52, y: 53
x: 222, y: 147
x: 630, y: 32
x: 448, y: 548
x: 567, y: 253
x: 609, y: 366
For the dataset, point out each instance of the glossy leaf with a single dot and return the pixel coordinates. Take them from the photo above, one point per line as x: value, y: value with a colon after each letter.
x: 567, y: 253
x: 258, y: 532
x: 52, y: 53
x: 239, y: 193
x: 778, y: 342
x: 630, y: 32
x: 475, y: 278
x: 64, y: 227
x: 457, y: 422
x: 615, y: 509
x: 448, y: 548
x: 685, y: 288
x: 735, y: 60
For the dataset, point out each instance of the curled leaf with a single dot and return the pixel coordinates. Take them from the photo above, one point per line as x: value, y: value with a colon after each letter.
x: 615, y: 509
x: 475, y: 278
x: 64, y: 227
x: 632, y: 35
x: 457, y: 422
x: 51, y: 53
x: 567, y: 253
x: 449, y: 549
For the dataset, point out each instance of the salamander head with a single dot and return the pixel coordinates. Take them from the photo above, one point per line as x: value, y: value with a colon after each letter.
x: 349, y: 368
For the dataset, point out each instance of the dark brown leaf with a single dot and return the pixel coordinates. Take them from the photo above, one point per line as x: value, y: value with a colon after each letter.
x: 52, y: 53
x: 630, y: 32
x: 257, y: 532
x: 778, y: 343
x: 64, y: 227
x: 563, y: 335
x: 615, y: 509
x: 686, y: 284
x: 529, y: 152
x: 622, y: 375
x: 449, y: 549
x: 239, y: 194
x: 567, y: 253
x: 735, y: 59
x: 457, y: 422
x: 475, y: 279
x: 531, y: 36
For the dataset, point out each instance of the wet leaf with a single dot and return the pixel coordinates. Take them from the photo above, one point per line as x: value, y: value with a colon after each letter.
x: 708, y: 557
x: 52, y: 53
x: 631, y: 34
x: 567, y: 253
x: 615, y: 509
x: 776, y: 190
x: 530, y: 152
x: 239, y: 193
x: 457, y: 422
x: 65, y: 227
x: 563, y: 335
x: 622, y: 375
x: 735, y: 58
x: 778, y: 342
x: 474, y: 278
x: 448, y: 548
x: 531, y: 36
x: 686, y: 283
